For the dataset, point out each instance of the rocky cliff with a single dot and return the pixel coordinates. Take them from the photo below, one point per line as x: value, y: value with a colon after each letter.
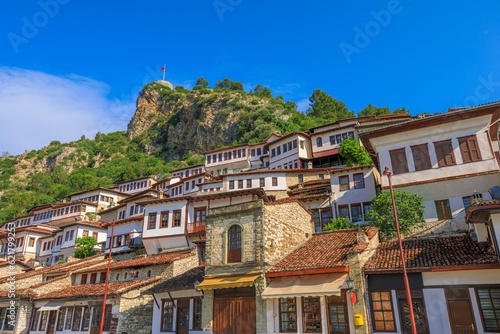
x: 178, y: 121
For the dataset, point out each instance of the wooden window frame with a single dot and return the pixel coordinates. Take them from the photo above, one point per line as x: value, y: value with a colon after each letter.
x: 319, y: 142
x: 164, y: 214
x: 358, y: 184
x: 240, y: 184
x: 311, y: 306
x: 496, y: 312
x: 231, y: 184
x: 345, y: 206
x: 234, y: 244
x: 249, y: 183
x: 441, y: 211
x: 93, y: 278
x: 421, y: 157
x: 152, y: 220
x: 383, y: 311
x: 469, y: 149
x: 398, y: 166
x: 290, y: 313
x: 176, y: 222
x: 203, y: 214
x: 444, y: 153
x: 356, y: 205
x: 274, y: 181
x: 344, y: 186
x: 167, y: 304
x: 83, y: 279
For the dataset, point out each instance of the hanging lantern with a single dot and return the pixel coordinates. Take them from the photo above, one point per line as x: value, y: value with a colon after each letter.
x: 354, y: 298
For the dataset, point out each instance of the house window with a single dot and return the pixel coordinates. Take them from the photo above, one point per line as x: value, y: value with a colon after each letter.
x: 85, y: 233
x: 83, y: 280
x: 319, y: 142
x: 69, y: 317
x: 444, y: 153
x: 231, y: 184
x: 95, y: 235
x: 278, y: 150
x: 262, y: 182
x: 102, y: 278
x: 177, y: 218
x: 332, y: 140
x: 366, y: 207
x: 152, y: 221
x: 316, y: 218
x: 60, y: 319
x: 399, y: 162
x: 443, y: 209
x: 359, y: 181
x: 311, y: 314
x: 467, y: 200
x: 344, y: 211
x: 71, y: 234
x: 285, y: 148
x: 356, y: 213
x: 197, y: 314
x: 383, y: 315
x: 93, y: 278
x: 302, y: 144
x: 234, y: 244
x: 240, y: 184
x: 209, y: 159
x: 200, y: 214
x: 43, y: 321
x: 469, y: 149
x: 275, y: 181
x: 86, y: 319
x: 300, y: 178
x: 294, y: 143
x: 288, y: 315
x: 164, y: 219
x: 326, y: 216
x: 273, y: 152
x: 77, y: 319
x: 249, y: 183
x: 344, y: 182
x: 167, y: 315
x: 31, y: 242
x: 489, y: 303
x: 34, y: 324
x: 421, y: 158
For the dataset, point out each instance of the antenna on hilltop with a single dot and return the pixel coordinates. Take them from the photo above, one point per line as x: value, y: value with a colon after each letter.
x: 163, y: 70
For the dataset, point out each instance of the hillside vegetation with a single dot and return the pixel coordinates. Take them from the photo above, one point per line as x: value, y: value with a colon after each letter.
x: 170, y: 129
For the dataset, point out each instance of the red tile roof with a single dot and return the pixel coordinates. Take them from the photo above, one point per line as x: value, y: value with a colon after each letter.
x: 324, y: 250
x: 163, y: 258
x: 115, y: 288
x: 139, y: 217
x: 426, y: 254
x: 19, y: 293
x: 58, y: 268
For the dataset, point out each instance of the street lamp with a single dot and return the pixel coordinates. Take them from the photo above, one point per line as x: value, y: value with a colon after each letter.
x: 387, y: 172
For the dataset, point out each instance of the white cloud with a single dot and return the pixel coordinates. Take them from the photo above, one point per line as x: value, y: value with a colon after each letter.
x: 36, y: 108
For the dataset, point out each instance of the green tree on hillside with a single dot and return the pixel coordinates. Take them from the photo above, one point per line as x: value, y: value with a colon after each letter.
x: 85, y: 247
x: 229, y: 84
x: 401, y: 110
x: 371, y: 110
x: 354, y: 153
x: 262, y: 91
x: 201, y: 82
x: 324, y: 106
x: 409, y: 207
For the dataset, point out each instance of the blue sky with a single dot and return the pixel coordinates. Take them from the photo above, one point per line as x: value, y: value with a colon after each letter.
x: 73, y: 67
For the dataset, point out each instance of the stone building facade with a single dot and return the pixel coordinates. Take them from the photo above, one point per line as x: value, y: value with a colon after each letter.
x: 268, y: 232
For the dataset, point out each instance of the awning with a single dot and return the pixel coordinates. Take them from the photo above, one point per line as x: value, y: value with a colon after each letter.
x: 51, y: 306
x: 307, y: 285
x: 238, y: 281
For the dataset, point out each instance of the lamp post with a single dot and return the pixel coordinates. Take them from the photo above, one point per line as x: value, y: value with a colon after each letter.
x: 103, y: 311
x: 387, y: 172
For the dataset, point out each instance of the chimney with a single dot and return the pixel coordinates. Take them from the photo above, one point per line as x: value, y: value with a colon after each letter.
x: 361, y: 237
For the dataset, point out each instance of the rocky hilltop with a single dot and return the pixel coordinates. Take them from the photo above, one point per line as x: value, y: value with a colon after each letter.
x: 178, y: 121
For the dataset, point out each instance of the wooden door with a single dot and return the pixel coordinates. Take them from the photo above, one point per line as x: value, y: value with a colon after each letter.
x: 419, y: 315
x: 460, y: 311
x: 337, y: 318
x: 51, y: 324
x: 235, y: 315
x: 182, y: 316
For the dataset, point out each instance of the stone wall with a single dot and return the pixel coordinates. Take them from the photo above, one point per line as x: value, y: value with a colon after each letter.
x: 136, y: 312
x: 6, y: 270
x: 52, y: 285
x: 286, y: 226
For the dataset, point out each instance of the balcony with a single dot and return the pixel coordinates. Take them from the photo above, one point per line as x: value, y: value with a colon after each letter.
x: 196, y: 228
